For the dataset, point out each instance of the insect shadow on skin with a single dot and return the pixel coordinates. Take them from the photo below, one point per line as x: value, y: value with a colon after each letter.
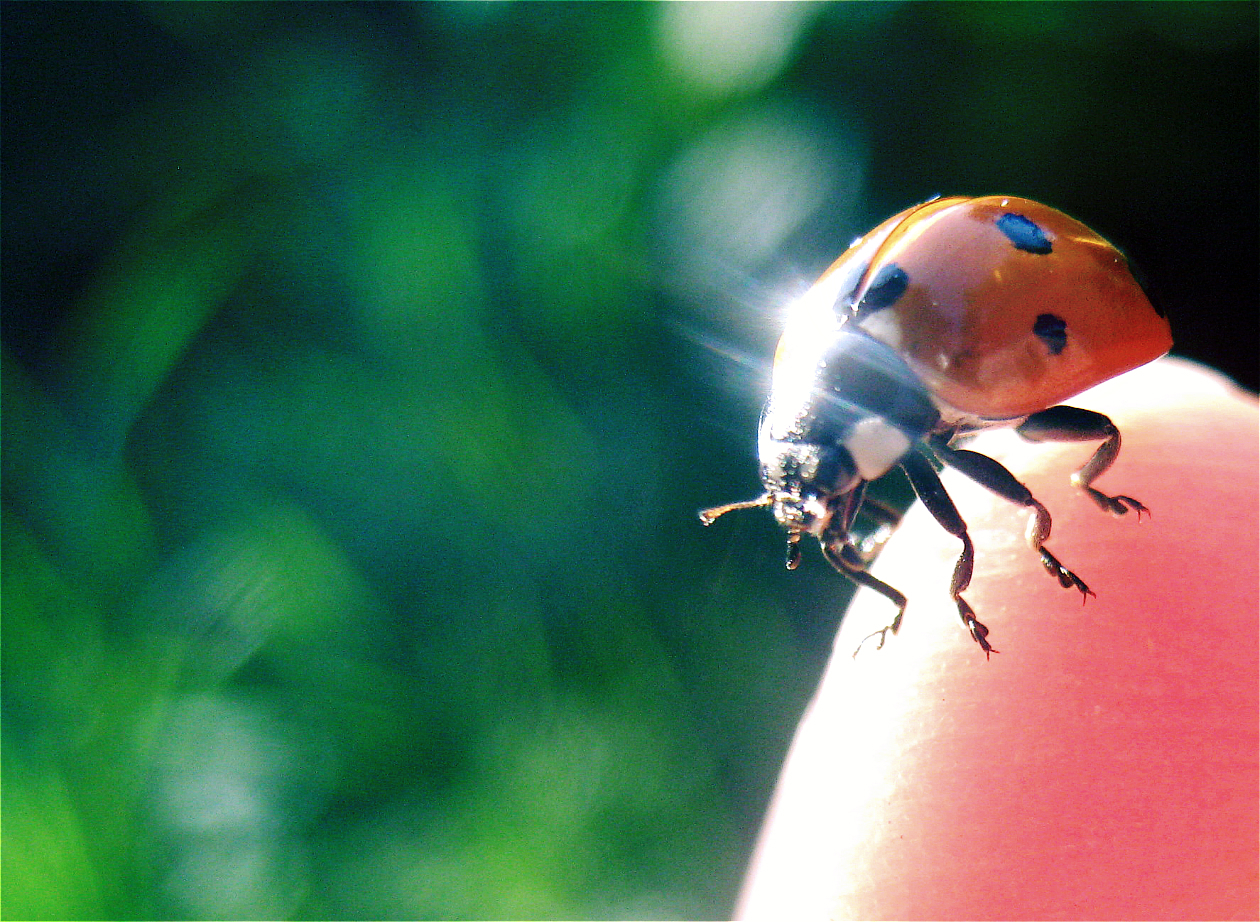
x: 954, y: 316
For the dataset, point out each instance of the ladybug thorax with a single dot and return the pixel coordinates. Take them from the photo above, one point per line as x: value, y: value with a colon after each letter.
x: 843, y: 409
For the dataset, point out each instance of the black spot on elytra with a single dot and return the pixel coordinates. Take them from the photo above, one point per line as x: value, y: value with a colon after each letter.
x: 1052, y: 331
x: 885, y: 289
x: 1026, y: 235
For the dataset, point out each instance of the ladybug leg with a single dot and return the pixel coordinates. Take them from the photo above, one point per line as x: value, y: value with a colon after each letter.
x: 1069, y: 424
x: 842, y: 554
x: 928, y: 486
x: 886, y: 520
x: 851, y: 558
x: 989, y: 473
x: 885, y: 517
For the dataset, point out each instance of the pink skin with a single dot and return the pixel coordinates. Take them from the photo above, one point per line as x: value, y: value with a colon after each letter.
x: 1104, y: 764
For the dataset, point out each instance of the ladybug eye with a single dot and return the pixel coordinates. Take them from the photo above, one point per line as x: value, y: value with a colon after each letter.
x: 1026, y: 235
x: 1052, y: 331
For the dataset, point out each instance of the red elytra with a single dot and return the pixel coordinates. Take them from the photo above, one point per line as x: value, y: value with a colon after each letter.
x: 965, y: 320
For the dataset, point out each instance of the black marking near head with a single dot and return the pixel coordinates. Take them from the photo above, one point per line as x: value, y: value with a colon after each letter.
x: 1026, y: 235
x: 1052, y: 331
x: 888, y: 285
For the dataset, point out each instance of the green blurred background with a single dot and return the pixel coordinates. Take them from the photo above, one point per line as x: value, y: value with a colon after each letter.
x: 364, y: 366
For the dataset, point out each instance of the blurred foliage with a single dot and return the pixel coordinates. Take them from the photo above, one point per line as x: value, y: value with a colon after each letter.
x: 363, y: 367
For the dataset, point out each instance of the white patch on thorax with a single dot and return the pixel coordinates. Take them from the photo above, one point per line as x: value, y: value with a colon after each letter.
x: 876, y: 445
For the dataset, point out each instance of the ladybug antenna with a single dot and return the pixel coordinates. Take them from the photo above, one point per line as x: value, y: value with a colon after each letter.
x: 707, y: 516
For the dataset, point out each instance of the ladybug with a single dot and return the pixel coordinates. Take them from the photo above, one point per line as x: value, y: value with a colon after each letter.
x: 956, y: 315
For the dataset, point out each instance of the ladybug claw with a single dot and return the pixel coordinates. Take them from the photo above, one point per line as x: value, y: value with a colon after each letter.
x: 882, y: 633
x: 1118, y: 505
x: 1067, y: 579
x: 1128, y: 502
x: 979, y: 633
